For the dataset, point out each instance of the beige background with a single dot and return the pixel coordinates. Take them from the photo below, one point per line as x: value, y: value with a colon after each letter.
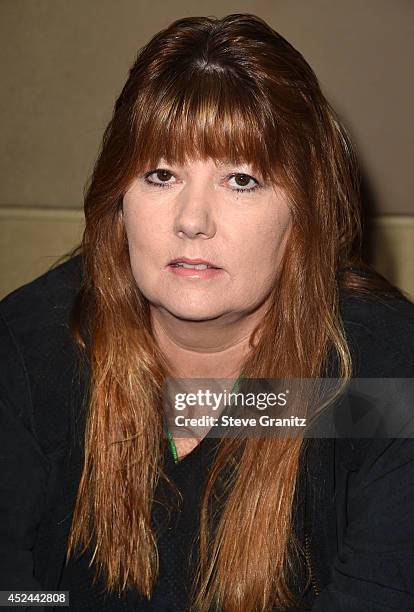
x: 64, y: 63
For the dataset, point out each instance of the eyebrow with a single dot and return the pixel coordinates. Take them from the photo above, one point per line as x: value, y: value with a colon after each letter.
x: 227, y: 163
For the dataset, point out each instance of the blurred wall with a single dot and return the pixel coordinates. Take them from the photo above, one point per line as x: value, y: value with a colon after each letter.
x: 64, y: 63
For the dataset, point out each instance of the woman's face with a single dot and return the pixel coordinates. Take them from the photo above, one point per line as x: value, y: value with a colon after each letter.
x: 196, y: 212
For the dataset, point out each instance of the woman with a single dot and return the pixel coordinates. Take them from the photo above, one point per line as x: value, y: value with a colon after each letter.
x: 222, y: 149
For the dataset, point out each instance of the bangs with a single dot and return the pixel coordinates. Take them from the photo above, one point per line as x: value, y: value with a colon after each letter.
x: 205, y: 115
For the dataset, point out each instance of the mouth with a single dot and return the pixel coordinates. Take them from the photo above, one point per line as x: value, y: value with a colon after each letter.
x: 193, y: 264
x: 194, y: 269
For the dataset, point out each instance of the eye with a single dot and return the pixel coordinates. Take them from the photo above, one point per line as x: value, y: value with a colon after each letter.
x: 243, y: 181
x: 161, y: 175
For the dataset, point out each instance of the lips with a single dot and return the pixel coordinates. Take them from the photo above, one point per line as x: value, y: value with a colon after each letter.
x: 193, y: 262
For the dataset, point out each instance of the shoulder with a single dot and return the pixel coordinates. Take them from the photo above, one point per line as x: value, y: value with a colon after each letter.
x: 44, y: 301
x: 37, y: 353
x: 373, y: 476
x: 36, y: 405
x: 380, y: 334
x: 36, y: 315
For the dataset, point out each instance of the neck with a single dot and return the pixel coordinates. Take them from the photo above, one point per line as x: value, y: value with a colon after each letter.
x: 205, y: 349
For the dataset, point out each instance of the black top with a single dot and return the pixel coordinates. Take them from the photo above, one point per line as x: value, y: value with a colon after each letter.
x: 176, y: 543
x: 356, y: 505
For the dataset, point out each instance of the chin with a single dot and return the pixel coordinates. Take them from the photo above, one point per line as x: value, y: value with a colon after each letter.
x: 195, y: 313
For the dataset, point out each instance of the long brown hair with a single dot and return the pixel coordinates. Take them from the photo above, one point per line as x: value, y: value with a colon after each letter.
x: 233, y: 89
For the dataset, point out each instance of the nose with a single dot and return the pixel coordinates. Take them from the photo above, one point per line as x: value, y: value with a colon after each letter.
x: 194, y: 216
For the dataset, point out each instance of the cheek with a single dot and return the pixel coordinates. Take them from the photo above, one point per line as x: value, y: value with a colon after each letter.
x: 264, y: 246
x: 138, y: 243
x: 132, y: 222
x: 263, y: 257
x: 142, y: 234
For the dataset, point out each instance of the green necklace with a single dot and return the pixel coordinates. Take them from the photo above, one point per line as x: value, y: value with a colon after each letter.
x: 173, y: 448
